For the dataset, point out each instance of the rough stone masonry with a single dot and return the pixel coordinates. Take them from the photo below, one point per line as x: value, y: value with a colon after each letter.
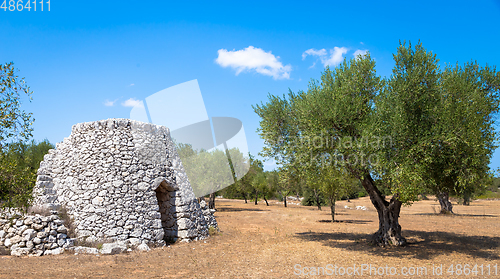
x: 122, y: 179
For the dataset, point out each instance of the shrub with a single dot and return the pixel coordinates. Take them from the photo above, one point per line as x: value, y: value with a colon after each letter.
x: 213, y: 231
x: 68, y: 222
x: 41, y: 210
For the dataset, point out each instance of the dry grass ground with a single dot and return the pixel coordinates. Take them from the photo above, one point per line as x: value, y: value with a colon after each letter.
x: 268, y: 242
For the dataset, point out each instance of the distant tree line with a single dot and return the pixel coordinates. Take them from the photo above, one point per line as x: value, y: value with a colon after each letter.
x: 19, y: 163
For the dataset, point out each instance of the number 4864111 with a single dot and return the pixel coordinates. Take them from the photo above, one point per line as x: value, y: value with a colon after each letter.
x: 19, y: 5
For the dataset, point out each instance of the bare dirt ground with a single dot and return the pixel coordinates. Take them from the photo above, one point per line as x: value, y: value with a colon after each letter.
x: 259, y: 241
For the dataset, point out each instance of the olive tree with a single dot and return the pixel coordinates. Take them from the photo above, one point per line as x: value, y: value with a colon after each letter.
x: 207, y: 171
x: 299, y: 127
x: 385, y: 133
x: 463, y: 135
x: 333, y: 182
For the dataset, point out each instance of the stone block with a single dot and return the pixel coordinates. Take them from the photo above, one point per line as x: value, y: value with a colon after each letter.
x: 113, y: 248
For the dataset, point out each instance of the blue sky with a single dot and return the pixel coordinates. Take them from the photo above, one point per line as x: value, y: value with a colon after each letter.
x: 82, y: 56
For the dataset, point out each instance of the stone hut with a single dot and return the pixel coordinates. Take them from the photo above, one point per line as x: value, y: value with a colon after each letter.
x: 122, y: 179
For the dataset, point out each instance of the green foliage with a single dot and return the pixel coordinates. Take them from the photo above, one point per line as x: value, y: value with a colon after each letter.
x: 405, y: 111
x: 278, y: 129
x: 491, y: 191
x: 212, y: 231
x: 246, y: 186
x: 19, y: 163
x: 289, y: 181
x: 16, y: 184
x: 232, y: 192
x: 356, y: 190
x: 28, y: 155
x: 208, y: 172
x: 14, y: 123
x: 332, y: 182
x: 311, y: 134
x: 256, y: 181
x: 466, y: 131
x: 440, y: 122
x: 495, y: 184
x: 489, y: 195
x: 423, y: 128
x: 272, y: 183
x: 310, y: 198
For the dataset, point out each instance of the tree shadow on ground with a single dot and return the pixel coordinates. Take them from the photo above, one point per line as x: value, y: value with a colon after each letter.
x: 421, y: 245
x: 455, y: 215
x: 346, y: 221
x: 237, y: 209
x: 336, y: 213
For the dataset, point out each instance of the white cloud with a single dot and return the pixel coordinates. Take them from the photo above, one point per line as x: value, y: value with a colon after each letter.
x: 131, y: 84
x: 253, y: 59
x: 312, y: 51
x: 109, y: 103
x: 132, y: 103
x: 336, y: 55
x: 360, y: 52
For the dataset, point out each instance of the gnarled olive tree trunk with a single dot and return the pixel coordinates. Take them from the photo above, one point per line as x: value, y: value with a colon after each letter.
x: 389, y: 230
x: 332, y: 208
x: 316, y: 197
x: 444, y: 201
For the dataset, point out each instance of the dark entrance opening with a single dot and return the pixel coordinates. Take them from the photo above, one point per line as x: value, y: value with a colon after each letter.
x: 164, y: 192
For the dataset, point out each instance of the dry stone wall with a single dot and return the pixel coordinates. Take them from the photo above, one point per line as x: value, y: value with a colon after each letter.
x: 33, y: 234
x: 121, y: 179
